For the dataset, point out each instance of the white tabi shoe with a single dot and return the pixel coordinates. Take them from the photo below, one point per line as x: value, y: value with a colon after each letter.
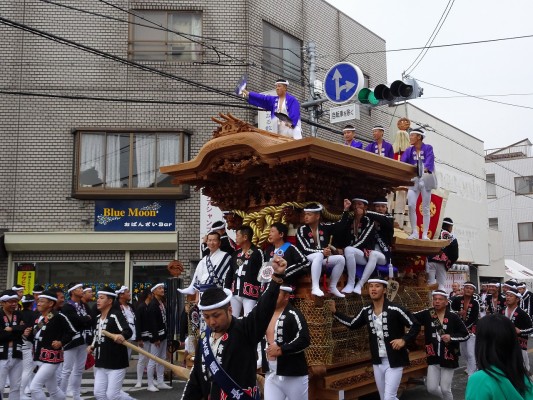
x: 425, y: 237
x: 335, y: 292
x: 163, y: 386
x: 138, y: 385
x: 348, y: 288
x: 357, y: 289
x: 412, y: 236
x: 187, y: 290
x: 317, y: 292
x: 152, y: 388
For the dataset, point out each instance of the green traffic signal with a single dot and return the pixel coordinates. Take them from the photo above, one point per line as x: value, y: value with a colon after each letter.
x: 367, y: 96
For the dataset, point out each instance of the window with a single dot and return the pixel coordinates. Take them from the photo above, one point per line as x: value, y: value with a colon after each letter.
x: 122, y: 164
x: 282, y: 54
x: 523, y: 185
x: 491, y: 186
x: 493, y: 223
x: 151, y: 41
x: 525, y: 231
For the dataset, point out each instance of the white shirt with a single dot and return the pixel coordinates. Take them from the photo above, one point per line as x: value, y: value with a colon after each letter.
x: 201, y: 275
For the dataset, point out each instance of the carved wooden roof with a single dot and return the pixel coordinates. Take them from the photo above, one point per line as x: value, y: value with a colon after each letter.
x: 246, y: 168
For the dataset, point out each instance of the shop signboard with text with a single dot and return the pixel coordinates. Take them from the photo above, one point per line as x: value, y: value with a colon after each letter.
x: 135, y: 215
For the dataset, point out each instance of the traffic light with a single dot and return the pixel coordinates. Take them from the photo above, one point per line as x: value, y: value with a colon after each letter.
x: 382, y: 94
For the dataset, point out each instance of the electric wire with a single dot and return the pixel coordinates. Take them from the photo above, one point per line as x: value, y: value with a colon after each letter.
x: 431, y: 39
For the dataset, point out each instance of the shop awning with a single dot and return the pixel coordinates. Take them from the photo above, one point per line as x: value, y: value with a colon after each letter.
x: 517, y: 270
x: 79, y: 241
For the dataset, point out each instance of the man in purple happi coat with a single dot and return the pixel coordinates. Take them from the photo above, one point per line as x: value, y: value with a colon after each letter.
x: 283, y: 103
x: 379, y: 146
x: 422, y: 184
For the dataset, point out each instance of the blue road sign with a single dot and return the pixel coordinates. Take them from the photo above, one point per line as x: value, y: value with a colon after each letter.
x: 342, y: 82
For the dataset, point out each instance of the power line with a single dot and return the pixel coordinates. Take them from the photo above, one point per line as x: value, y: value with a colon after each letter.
x: 477, y: 97
x: 436, y: 31
x: 357, y: 53
x: 112, y: 57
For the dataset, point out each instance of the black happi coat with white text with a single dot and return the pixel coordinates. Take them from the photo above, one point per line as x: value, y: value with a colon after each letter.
x: 54, y: 326
x: 308, y: 245
x: 500, y: 304
x: 16, y: 323
x: 291, y: 334
x: 444, y: 354
x: 297, y: 263
x: 395, y: 320
x: 526, y: 302
x: 472, y: 312
x: 107, y: 353
x: 81, y: 320
x: 237, y: 351
x: 141, y: 322
x: 522, y: 321
x: 242, y: 277
x: 157, y: 320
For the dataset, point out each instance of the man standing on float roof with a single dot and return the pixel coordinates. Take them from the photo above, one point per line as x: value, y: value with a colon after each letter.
x: 422, y: 184
x: 282, y: 103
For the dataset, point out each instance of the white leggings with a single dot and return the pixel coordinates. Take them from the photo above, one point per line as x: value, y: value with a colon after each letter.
x: 439, y: 381
x: 46, y: 376
x: 73, y: 367
x: 108, y: 383
x: 387, y: 379
x: 27, y: 367
x: 238, y: 303
x: 354, y: 255
x: 142, y: 362
x: 159, y: 369
x: 468, y: 349
x: 286, y: 387
x: 436, y: 274
x: 412, y: 197
x: 11, y: 367
x: 334, y: 262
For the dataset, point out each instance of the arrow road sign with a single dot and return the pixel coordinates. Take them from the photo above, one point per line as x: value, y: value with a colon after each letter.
x: 342, y: 82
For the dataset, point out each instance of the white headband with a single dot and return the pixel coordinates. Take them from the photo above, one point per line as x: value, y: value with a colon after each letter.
x: 283, y: 82
x: 517, y: 294
x: 437, y: 293
x: 37, y: 291
x: 320, y: 208
x: 112, y: 294
x: 17, y: 288
x: 384, y: 282
x: 7, y: 297
x: 470, y: 284
x: 229, y: 295
x: 348, y: 130
x: 87, y: 289
x: 360, y: 199
x: 75, y: 287
x: 385, y: 203
x: 156, y: 286
x: 287, y: 289
x: 45, y: 296
x: 121, y: 290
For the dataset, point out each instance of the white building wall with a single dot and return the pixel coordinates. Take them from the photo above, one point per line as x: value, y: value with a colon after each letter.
x: 512, y: 209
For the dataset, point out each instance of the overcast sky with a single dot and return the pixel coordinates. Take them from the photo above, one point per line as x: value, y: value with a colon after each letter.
x: 499, y: 68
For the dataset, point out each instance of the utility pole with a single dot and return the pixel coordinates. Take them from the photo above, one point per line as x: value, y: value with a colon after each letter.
x: 312, y: 76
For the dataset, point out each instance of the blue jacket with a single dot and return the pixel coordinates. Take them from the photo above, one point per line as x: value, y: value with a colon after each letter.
x: 270, y: 103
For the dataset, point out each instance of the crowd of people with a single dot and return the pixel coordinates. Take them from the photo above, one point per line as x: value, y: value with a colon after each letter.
x: 48, y: 340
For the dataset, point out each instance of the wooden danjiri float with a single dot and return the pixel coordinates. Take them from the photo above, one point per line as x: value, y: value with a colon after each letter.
x: 257, y: 174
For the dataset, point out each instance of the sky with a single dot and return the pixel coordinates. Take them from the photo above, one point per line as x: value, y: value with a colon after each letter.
x: 498, y: 68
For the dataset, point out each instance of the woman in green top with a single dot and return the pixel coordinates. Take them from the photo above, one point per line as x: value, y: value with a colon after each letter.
x: 502, y: 374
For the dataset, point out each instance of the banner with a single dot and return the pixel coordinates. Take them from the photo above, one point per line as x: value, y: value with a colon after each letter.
x: 135, y: 215
x: 26, y: 277
x: 436, y: 212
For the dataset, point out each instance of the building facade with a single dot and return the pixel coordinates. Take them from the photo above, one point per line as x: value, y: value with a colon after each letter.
x: 509, y: 175
x: 96, y: 98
